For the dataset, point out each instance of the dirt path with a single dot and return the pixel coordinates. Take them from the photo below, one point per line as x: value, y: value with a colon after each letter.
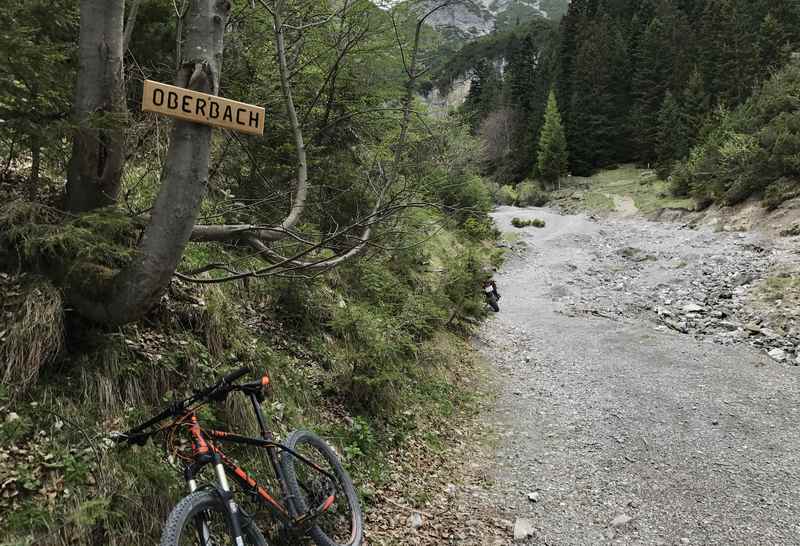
x: 624, y: 205
x: 607, y: 414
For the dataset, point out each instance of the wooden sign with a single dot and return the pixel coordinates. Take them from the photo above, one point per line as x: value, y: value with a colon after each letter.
x: 189, y: 105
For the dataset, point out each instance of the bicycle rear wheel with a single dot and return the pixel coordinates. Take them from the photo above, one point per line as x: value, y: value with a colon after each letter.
x: 200, y: 519
x: 340, y: 525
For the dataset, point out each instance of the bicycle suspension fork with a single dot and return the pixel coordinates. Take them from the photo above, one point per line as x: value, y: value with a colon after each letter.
x: 205, y: 455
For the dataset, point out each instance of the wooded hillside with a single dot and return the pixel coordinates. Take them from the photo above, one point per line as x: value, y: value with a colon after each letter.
x: 636, y: 81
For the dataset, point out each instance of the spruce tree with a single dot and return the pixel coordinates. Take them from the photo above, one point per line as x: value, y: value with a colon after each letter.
x: 773, y: 43
x: 552, y: 160
x: 673, y: 140
x: 483, y: 93
x: 695, y: 103
x: 650, y: 81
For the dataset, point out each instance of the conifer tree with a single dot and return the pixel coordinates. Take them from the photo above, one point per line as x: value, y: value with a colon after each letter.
x: 483, y: 93
x: 673, y: 140
x: 773, y: 43
x: 695, y: 104
x: 552, y: 160
x: 650, y: 82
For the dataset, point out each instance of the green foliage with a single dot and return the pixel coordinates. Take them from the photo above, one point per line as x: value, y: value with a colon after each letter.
x: 36, y: 59
x: 43, y: 234
x: 91, y: 512
x: 753, y: 150
x: 673, y: 137
x: 507, y: 195
x: 356, y: 340
x: 530, y: 194
x: 520, y: 223
x: 360, y: 439
x: 480, y: 230
x: 613, y: 66
x: 484, y: 94
x: 552, y: 157
x: 779, y: 191
x: 465, y: 196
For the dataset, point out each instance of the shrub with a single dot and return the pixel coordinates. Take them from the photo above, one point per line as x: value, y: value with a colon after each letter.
x: 530, y: 194
x: 480, y: 229
x: 465, y: 195
x: 506, y: 195
x: 754, y: 150
x: 779, y: 191
x: 520, y: 223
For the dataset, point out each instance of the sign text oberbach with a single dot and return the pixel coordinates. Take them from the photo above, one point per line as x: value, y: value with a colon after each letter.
x: 189, y: 105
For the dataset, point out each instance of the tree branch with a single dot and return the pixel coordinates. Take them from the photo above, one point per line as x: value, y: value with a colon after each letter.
x: 130, y: 24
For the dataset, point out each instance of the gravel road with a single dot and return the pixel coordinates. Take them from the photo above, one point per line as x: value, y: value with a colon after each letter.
x: 621, y: 428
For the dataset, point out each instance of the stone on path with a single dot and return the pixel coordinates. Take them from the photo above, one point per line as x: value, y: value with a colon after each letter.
x: 522, y: 529
x: 415, y: 520
x: 620, y: 520
x: 693, y: 308
x: 777, y: 354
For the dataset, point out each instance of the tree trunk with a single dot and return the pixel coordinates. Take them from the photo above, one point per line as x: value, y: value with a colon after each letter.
x: 130, y: 25
x: 183, y: 181
x: 95, y: 168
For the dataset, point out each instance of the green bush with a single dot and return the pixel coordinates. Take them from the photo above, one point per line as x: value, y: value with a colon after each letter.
x: 520, y: 223
x: 530, y: 194
x: 752, y: 151
x: 480, y: 229
x: 506, y: 195
x: 463, y: 196
x: 779, y: 191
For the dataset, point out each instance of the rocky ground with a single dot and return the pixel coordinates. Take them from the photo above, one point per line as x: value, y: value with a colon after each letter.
x: 648, y: 388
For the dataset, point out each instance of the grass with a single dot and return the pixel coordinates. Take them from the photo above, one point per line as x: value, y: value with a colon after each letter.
x: 379, y: 328
x: 649, y: 193
x: 781, y: 287
x: 32, y: 332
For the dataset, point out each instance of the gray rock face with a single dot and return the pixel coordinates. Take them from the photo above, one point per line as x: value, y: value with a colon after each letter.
x: 478, y: 18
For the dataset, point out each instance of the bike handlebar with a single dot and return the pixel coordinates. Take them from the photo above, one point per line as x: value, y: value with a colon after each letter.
x: 233, y: 376
x: 217, y: 391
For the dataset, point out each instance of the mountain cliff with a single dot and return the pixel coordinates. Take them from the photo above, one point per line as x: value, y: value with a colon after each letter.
x: 477, y: 18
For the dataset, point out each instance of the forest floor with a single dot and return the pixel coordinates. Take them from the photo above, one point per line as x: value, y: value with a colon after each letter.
x: 647, y: 386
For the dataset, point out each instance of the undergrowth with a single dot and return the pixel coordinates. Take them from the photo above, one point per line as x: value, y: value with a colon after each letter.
x: 367, y: 356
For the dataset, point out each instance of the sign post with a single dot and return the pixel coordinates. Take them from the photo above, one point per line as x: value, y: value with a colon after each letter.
x: 188, y: 105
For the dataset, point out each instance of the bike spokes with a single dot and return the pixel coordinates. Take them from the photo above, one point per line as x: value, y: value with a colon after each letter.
x: 210, y: 529
x: 337, y: 520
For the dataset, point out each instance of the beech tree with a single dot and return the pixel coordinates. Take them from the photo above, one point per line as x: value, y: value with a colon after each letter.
x: 172, y: 222
x: 95, y: 170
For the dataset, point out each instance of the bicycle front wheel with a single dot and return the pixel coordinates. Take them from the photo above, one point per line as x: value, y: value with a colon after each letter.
x: 340, y: 525
x: 200, y: 519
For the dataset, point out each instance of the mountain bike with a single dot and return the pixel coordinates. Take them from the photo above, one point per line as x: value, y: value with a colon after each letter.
x: 316, y: 496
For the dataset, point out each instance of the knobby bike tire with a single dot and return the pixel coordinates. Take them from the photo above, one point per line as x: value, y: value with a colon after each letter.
x: 180, y: 519
x: 298, y: 504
